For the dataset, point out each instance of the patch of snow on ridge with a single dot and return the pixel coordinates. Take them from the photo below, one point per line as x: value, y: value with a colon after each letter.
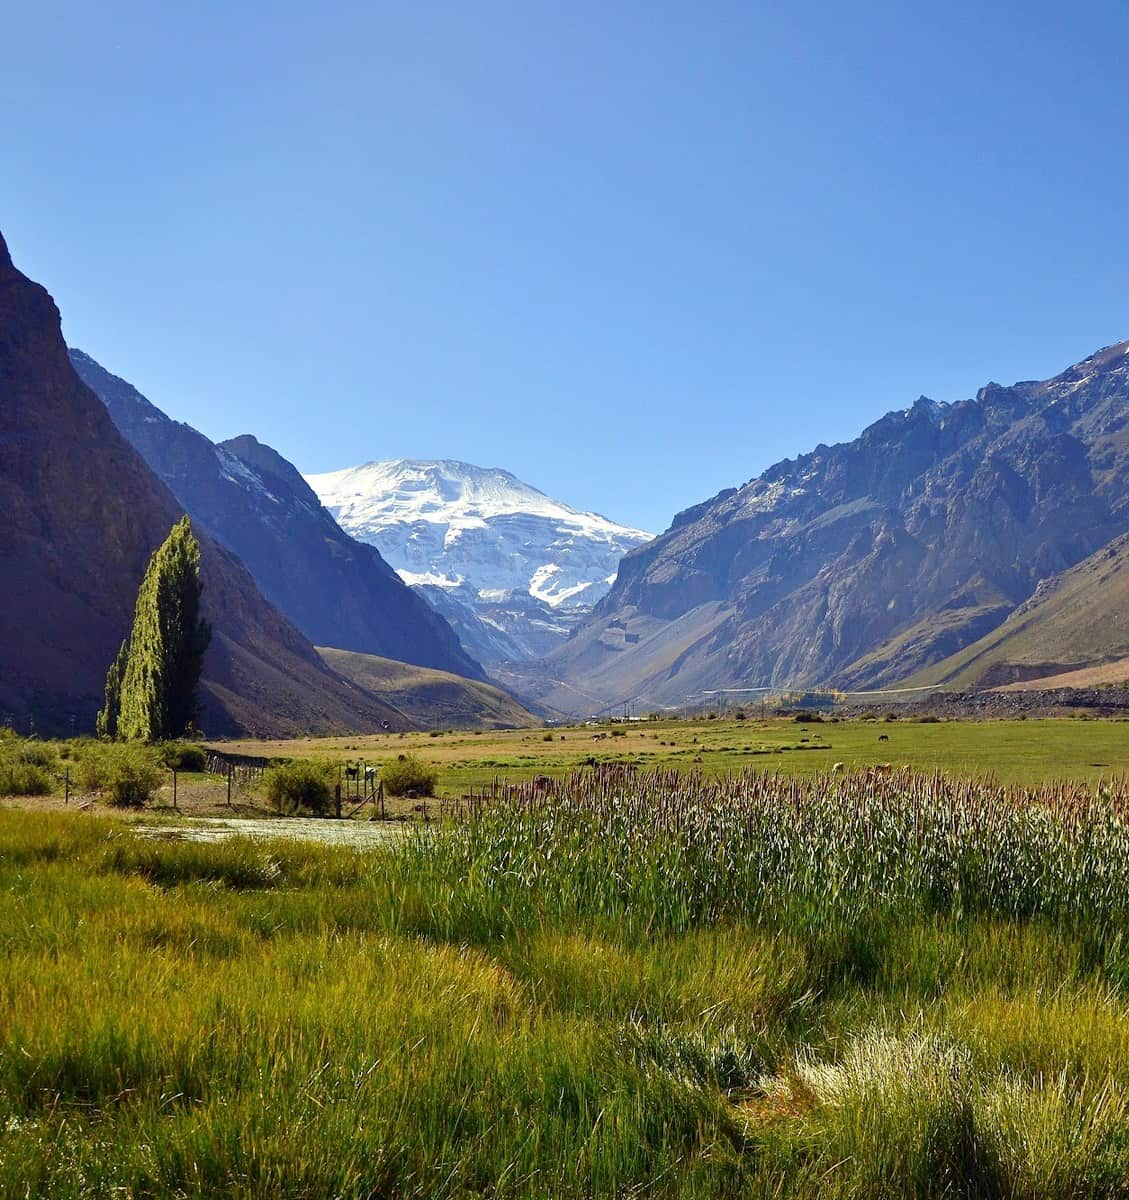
x: 236, y: 471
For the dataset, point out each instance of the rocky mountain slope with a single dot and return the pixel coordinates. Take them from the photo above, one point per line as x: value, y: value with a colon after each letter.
x: 513, y: 570
x: 858, y: 564
x: 1072, y: 632
x: 81, y: 515
x: 338, y: 592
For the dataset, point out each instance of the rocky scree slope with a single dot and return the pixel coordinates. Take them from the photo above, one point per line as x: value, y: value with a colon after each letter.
x: 512, y: 569
x: 82, y: 515
x: 339, y: 592
x: 861, y: 563
x: 1072, y: 632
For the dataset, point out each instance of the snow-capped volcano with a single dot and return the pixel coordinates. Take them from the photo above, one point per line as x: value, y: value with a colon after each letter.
x: 526, y: 564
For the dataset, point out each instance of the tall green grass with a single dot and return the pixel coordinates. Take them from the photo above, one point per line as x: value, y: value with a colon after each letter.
x: 621, y: 986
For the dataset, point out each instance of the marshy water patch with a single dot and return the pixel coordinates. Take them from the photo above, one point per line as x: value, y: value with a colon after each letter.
x: 359, y: 834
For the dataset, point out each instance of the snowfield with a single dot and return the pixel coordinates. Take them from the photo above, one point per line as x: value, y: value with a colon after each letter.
x: 480, y: 531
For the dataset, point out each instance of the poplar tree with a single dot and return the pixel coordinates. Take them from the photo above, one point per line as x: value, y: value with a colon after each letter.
x: 157, y: 678
x: 107, y: 723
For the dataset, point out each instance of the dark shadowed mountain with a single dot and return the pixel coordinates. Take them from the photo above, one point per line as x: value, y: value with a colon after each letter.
x: 859, y: 564
x: 339, y: 592
x: 81, y: 515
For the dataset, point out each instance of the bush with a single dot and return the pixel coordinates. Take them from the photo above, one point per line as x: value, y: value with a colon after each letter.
x: 408, y: 774
x: 546, y: 737
x: 301, y: 784
x: 27, y: 767
x: 183, y: 756
x: 124, y: 773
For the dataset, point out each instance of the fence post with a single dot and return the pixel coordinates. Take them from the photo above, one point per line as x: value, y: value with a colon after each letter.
x: 337, y: 800
x: 174, y: 787
x: 380, y: 793
x: 230, y: 774
x: 67, y: 798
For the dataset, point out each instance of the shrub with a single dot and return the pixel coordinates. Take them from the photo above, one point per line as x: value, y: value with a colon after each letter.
x: 183, y: 756
x: 301, y: 784
x: 546, y: 737
x: 618, y: 733
x: 408, y: 774
x: 124, y: 773
x: 27, y: 767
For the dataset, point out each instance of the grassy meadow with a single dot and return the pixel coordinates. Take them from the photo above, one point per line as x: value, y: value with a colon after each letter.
x: 1015, y: 751
x: 624, y: 983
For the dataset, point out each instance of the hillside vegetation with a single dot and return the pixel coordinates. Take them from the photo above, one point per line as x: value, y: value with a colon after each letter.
x: 429, y: 698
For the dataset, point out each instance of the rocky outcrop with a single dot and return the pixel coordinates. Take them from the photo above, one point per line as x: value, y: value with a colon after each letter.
x: 81, y: 515
x: 857, y: 564
x: 337, y: 591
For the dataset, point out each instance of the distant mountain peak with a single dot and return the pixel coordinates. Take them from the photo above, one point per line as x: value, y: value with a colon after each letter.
x: 441, y: 490
x: 525, y: 563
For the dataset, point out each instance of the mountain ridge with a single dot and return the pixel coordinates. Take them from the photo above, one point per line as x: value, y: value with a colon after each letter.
x: 857, y: 564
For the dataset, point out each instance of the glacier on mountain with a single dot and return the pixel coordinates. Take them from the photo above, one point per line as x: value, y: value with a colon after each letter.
x: 506, y: 555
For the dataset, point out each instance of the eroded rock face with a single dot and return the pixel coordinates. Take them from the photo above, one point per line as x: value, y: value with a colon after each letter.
x: 81, y: 515
x: 338, y: 591
x: 857, y: 564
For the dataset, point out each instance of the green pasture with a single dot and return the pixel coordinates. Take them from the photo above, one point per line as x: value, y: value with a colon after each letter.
x: 1016, y: 751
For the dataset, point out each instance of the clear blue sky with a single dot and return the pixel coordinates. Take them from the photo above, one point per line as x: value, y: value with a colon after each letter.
x: 633, y: 252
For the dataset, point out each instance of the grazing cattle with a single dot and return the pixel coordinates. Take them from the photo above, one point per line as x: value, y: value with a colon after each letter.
x: 883, y: 737
x: 598, y: 737
x: 542, y: 782
x: 882, y: 768
x: 838, y: 767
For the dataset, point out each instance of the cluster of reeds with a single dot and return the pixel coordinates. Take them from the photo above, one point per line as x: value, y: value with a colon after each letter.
x: 675, y: 850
